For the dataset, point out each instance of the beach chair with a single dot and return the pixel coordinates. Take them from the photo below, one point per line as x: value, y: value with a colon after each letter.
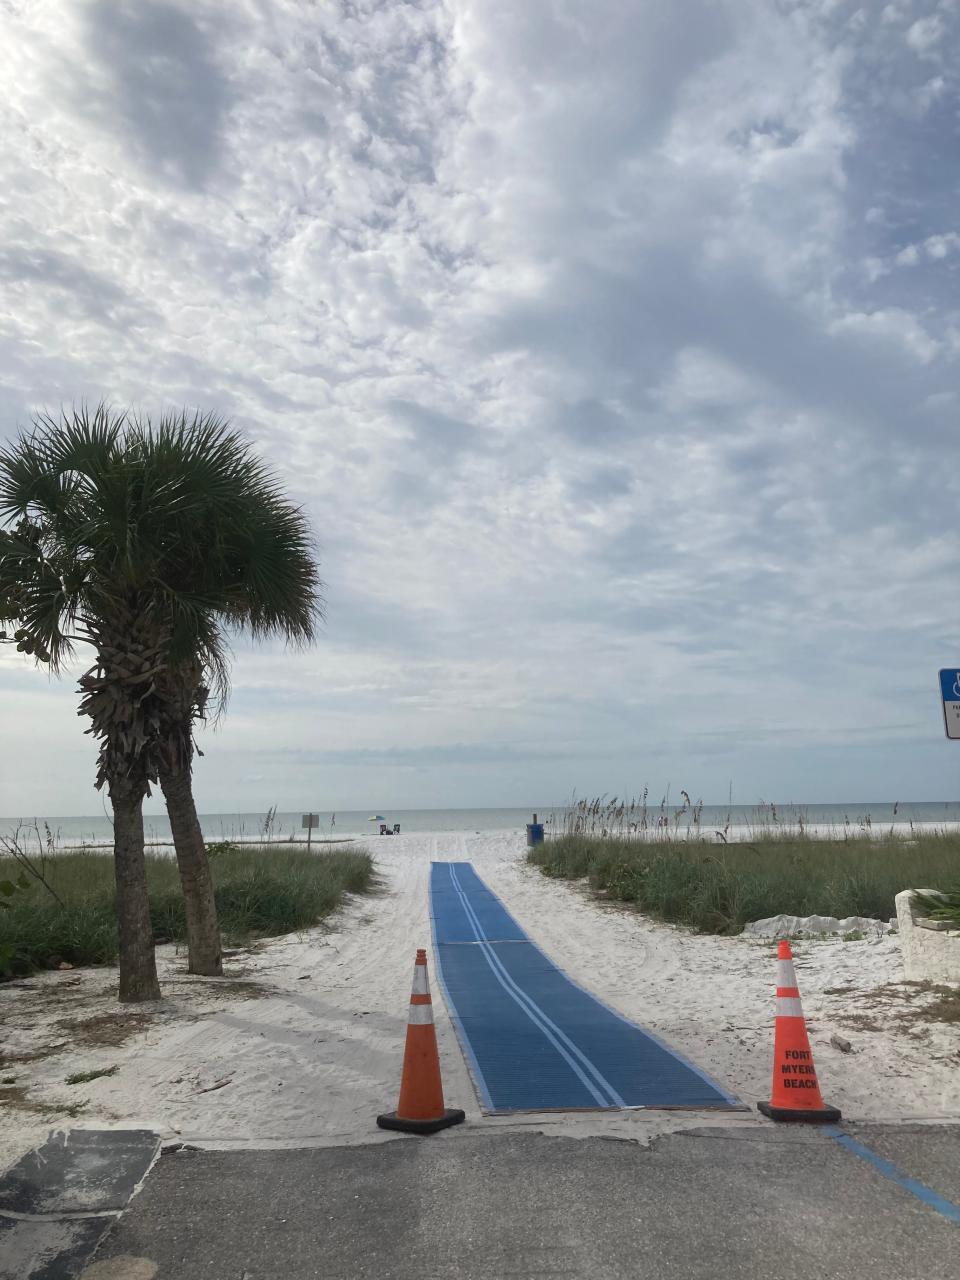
x: 383, y: 829
x: 396, y: 828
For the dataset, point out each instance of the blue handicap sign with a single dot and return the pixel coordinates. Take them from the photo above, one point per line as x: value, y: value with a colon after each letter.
x: 950, y: 691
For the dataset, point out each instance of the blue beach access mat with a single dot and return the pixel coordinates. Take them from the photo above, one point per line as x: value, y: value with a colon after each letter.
x: 534, y: 1040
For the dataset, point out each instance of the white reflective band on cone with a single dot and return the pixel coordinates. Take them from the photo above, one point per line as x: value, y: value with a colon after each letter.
x: 785, y: 974
x: 420, y: 1015
x: 789, y: 1007
x: 421, y: 983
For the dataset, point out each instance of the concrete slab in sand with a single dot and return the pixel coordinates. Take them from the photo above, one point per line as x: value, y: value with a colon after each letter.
x: 48, y: 1249
x: 58, y: 1200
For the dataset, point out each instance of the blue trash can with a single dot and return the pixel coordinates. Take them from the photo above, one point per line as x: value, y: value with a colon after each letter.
x: 534, y: 832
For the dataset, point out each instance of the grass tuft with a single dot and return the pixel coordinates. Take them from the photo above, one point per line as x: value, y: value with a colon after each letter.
x: 260, y: 892
x: 84, y: 1077
x: 943, y: 906
x: 719, y: 888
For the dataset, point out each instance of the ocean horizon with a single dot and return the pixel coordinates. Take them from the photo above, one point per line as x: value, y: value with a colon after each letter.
x: 73, y: 830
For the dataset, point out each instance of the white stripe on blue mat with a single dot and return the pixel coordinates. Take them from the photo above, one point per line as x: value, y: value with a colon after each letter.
x: 889, y: 1170
x: 473, y: 1066
x: 534, y: 1039
x: 537, y: 1015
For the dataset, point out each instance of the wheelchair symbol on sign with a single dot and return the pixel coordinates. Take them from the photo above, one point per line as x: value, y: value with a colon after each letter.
x: 956, y: 685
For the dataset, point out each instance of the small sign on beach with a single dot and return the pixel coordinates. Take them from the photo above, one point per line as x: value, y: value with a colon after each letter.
x: 950, y: 691
x: 309, y: 822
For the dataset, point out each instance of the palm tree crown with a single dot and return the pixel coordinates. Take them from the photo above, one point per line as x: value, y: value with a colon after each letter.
x: 179, y: 525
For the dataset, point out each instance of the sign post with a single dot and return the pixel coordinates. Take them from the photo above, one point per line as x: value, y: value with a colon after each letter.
x: 950, y: 693
x: 309, y: 821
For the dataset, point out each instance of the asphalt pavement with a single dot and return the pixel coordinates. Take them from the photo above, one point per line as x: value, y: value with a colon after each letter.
x: 772, y: 1202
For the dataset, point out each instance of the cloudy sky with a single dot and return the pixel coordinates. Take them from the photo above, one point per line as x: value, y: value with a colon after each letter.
x: 612, y: 346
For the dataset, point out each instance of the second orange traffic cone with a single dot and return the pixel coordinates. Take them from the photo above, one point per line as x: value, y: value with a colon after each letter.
x: 420, y: 1109
x: 795, y: 1094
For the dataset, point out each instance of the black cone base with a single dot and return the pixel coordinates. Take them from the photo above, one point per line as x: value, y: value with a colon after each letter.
x: 392, y: 1121
x: 828, y: 1115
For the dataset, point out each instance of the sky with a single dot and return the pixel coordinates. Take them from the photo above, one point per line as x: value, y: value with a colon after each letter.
x: 611, y: 346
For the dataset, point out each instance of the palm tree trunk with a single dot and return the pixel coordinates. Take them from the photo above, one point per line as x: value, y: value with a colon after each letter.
x: 138, y: 964
x: 203, y: 931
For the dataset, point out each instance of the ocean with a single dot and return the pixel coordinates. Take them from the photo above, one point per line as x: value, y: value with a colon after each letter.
x: 283, y: 826
x: 70, y: 831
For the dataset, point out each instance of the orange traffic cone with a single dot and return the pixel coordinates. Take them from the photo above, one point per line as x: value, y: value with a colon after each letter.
x: 795, y: 1094
x: 420, y: 1109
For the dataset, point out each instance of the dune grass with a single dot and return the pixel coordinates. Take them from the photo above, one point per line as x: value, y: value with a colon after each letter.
x: 718, y: 888
x: 259, y: 893
x: 943, y: 906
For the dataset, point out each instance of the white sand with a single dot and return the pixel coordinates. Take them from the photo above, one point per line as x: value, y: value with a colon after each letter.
x: 315, y: 1057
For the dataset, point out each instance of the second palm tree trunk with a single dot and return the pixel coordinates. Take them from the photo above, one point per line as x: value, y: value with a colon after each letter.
x: 138, y: 965
x: 203, y: 931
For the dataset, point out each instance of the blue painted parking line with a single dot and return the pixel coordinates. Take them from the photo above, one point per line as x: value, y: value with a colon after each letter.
x: 889, y: 1170
x: 533, y: 1038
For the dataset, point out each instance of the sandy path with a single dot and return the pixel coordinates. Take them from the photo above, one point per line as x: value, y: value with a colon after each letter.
x: 305, y: 1046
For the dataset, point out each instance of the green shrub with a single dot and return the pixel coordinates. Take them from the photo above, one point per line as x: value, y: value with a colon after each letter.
x: 718, y: 888
x: 260, y: 892
x: 944, y: 907
x: 216, y: 847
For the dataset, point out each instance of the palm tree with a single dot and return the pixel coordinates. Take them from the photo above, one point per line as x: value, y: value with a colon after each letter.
x: 154, y: 545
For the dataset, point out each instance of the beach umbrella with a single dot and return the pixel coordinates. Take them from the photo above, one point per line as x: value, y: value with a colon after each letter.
x: 376, y: 817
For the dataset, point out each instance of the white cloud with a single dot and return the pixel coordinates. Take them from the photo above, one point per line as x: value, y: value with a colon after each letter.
x: 575, y: 327
x: 938, y: 247
x: 929, y: 93
x: 700, y: 378
x: 932, y: 249
x: 925, y: 34
x: 891, y: 325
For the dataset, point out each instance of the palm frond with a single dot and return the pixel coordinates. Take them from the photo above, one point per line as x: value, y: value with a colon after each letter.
x: 179, y: 522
